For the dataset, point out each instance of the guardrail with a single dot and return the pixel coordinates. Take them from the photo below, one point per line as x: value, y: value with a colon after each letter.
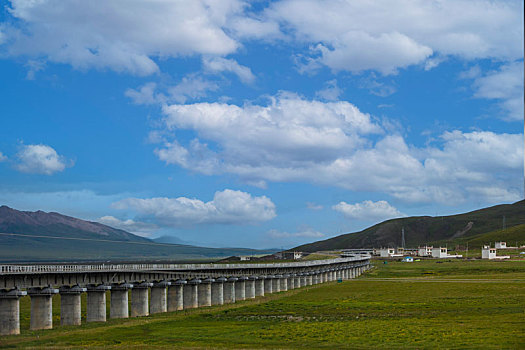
x: 36, y: 269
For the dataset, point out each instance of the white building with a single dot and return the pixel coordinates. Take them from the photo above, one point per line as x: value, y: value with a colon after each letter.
x: 424, y: 251
x: 439, y: 252
x: 442, y: 253
x: 388, y: 253
x: 408, y: 259
x: 490, y: 253
x: 501, y: 245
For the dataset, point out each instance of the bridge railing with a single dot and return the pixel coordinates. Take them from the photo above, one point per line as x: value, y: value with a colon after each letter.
x: 36, y: 269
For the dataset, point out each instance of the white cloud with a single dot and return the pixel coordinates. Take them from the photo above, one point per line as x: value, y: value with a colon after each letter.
x: 313, y: 206
x: 307, y: 232
x: 331, y: 92
x: 191, y: 87
x: 121, y: 35
x: 39, y: 159
x: 505, y: 85
x: 2, y: 157
x: 219, y: 64
x: 227, y: 207
x: 141, y: 228
x: 385, y: 35
x: 368, y: 210
x: 333, y: 143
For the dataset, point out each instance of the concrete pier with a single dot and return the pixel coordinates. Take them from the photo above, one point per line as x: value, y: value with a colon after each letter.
x: 325, y: 276
x: 283, y: 284
x: 268, y: 284
x: 229, y: 290
x: 259, y: 286
x: 176, y: 295
x: 297, y: 280
x: 308, y: 279
x: 159, y: 297
x: 41, y: 307
x: 119, y: 304
x: 250, y: 287
x: 139, y: 299
x: 191, y: 294
x: 205, y: 292
x: 276, y: 283
x: 240, y: 288
x: 217, y: 291
x: 303, y: 279
x: 70, y: 305
x: 96, y: 303
x: 291, y: 281
x: 10, y: 311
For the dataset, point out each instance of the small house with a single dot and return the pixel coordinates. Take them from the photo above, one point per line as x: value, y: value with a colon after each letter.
x: 408, y: 259
x: 501, y: 245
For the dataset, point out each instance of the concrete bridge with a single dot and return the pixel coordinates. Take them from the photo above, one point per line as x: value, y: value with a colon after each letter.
x: 172, y: 287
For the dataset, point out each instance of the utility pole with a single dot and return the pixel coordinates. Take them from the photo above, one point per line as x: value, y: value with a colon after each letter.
x: 504, y: 223
x: 403, y: 237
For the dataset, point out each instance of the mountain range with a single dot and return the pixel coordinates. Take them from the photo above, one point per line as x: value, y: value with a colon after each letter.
x: 27, y: 236
x: 419, y: 230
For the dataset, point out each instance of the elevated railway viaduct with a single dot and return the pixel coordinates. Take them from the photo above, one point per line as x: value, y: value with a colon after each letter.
x: 153, y: 288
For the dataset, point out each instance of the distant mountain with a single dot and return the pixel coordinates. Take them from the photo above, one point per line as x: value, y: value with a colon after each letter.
x: 426, y: 229
x: 39, y: 236
x: 171, y: 240
x: 55, y: 224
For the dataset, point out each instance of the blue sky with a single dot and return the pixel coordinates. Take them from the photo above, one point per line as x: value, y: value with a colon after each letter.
x: 259, y: 124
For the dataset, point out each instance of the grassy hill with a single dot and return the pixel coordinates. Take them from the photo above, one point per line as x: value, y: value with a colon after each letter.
x: 39, y: 236
x: 512, y: 235
x: 426, y: 229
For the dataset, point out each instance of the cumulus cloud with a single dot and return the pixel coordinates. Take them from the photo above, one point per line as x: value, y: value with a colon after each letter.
x: 333, y: 143
x: 227, y: 207
x: 141, y: 228
x: 103, y: 35
x: 306, y: 233
x: 368, y: 210
x: 385, y: 36
x: 331, y: 92
x: 504, y: 85
x: 39, y: 159
x: 219, y: 64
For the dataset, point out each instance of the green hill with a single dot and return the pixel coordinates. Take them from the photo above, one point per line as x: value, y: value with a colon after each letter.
x: 513, y: 236
x: 426, y: 229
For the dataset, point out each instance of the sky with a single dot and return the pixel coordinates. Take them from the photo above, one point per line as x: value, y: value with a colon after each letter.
x: 263, y: 124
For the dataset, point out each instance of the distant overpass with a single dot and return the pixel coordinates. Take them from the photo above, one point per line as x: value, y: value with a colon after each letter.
x: 172, y: 287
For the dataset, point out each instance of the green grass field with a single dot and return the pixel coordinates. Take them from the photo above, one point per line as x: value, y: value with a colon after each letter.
x: 422, y: 305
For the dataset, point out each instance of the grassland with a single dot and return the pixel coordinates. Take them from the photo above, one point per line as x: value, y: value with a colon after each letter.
x: 423, y: 305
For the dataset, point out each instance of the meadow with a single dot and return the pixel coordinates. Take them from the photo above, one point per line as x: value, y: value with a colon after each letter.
x: 422, y: 305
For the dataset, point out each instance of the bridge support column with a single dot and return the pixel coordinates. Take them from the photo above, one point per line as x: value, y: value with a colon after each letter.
x: 70, y: 305
x: 119, y: 305
x: 291, y: 281
x: 205, y: 292
x: 276, y: 283
x: 268, y: 284
x: 283, y: 282
x: 240, y: 288
x: 297, y: 280
x: 41, y: 307
x: 139, y: 299
x: 259, y: 286
x: 10, y: 311
x: 176, y: 296
x: 96, y: 303
x: 250, y: 287
x: 303, y: 279
x: 309, y: 279
x: 229, y: 290
x: 159, y: 302
x: 191, y: 294
x: 217, y: 291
